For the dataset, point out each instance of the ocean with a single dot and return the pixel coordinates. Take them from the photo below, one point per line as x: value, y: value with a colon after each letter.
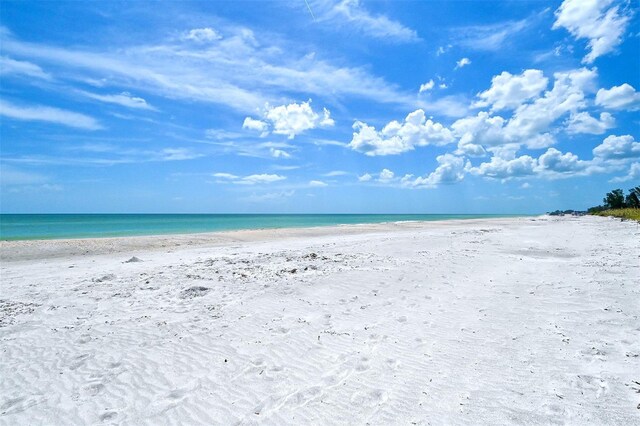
x: 57, y: 226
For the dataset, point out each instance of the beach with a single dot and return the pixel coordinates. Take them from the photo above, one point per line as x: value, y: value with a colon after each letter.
x: 531, y: 320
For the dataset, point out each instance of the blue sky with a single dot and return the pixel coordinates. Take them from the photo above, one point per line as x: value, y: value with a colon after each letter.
x: 320, y: 107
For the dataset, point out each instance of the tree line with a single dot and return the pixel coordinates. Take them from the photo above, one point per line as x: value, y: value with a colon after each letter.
x: 617, y: 200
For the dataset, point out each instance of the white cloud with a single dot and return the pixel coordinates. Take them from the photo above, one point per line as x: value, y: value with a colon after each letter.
x: 317, y: 183
x: 594, y: 20
x: 290, y: 120
x: 278, y: 153
x: 463, y: 62
x: 176, y: 154
x: 12, y: 66
x: 396, y: 137
x: 482, y: 129
x: 555, y: 161
x: 365, y: 177
x: 617, y: 148
x: 619, y: 97
x: 450, y: 106
x: 552, y: 164
x: 248, y: 180
x: 509, y: 91
x: 426, y: 86
x: 201, y: 35
x: 583, y: 122
x: 567, y: 95
x: 451, y: 169
x: 500, y: 168
x: 226, y: 176
x: 470, y: 149
x: 236, y: 72
x: 351, y: 13
x: 488, y: 37
x: 256, y: 125
x: 633, y: 174
x: 124, y: 99
x: 48, y: 114
x: 335, y: 173
x: 385, y: 175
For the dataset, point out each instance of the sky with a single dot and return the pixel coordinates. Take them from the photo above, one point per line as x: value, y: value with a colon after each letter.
x: 317, y: 106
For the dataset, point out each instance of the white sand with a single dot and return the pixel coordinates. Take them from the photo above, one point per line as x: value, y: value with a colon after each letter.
x: 532, y: 321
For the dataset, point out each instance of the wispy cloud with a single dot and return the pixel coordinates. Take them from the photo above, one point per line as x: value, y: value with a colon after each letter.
x: 235, y: 71
x: 488, y: 37
x: 48, y: 114
x: 124, y: 99
x: 353, y: 14
x: 263, y: 178
x: 10, y: 66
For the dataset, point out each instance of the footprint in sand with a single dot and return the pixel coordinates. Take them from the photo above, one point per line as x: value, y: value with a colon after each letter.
x: 362, y: 364
x: 85, y: 338
x: 109, y: 415
x: 370, y: 398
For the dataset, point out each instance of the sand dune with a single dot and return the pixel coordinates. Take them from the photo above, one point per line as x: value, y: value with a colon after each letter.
x: 529, y: 320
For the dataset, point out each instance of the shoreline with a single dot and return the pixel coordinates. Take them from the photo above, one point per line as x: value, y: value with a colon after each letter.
x: 17, y: 250
x: 85, y: 226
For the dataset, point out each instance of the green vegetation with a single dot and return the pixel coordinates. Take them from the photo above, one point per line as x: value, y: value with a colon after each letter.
x: 617, y: 205
x: 633, y: 214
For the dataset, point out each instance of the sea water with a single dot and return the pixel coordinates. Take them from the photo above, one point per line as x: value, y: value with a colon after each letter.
x: 56, y: 226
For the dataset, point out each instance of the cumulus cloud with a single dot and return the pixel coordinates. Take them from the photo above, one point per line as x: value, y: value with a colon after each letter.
x: 556, y: 162
x: 583, y: 122
x: 617, y: 148
x: 633, y: 174
x: 470, y: 149
x: 396, y: 137
x: 567, y: 95
x: 552, y: 164
x: 365, y: 177
x: 451, y: 169
x: 481, y: 129
x: 386, y: 175
x: 201, y: 35
x: 619, y: 97
x: 48, y: 114
x: 256, y: 125
x: 248, y: 180
x: 596, y: 20
x: 463, y: 62
x: 290, y: 120
x: 501, y: 168
x: 509, y: 91
x: 426, y: 86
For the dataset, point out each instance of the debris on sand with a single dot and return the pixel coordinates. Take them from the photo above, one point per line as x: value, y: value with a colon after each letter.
x: 196, y: 291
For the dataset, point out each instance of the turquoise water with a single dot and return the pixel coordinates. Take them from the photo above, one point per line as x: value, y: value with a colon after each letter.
x: 55, y: 226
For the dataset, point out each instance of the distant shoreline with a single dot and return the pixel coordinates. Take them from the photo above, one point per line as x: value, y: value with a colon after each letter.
x: 21, y: 227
